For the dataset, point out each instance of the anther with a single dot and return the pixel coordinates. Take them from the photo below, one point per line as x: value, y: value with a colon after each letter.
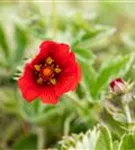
x: 53, y: 81
x: 57, y: 70
x: 40, y: 80
x: 37, y: 67
x: 49, y: 60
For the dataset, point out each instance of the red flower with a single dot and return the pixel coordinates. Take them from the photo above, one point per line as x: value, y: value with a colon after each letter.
x: 118, y: 86
x: 50, y: 74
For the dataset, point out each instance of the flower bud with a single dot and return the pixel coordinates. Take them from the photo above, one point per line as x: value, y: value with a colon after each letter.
x: 118, y: 86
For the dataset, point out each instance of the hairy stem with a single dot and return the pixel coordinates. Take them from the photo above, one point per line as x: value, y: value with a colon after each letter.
x: 41, y: 138
x: 128, y: 114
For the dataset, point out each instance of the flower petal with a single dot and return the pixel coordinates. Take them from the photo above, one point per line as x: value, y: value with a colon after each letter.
x: 61, y: 53
x: 78, y: 73
x: 29, y: 89
x: 47, y: 48
x: 70, y: 76
x: 48, y: 96
x: 65, y: 84
x: 44, y: 44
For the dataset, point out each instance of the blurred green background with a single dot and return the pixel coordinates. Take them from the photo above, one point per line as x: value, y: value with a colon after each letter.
x: 102, y: 35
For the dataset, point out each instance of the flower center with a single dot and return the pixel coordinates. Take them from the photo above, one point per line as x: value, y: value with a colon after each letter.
x: 47, y: 72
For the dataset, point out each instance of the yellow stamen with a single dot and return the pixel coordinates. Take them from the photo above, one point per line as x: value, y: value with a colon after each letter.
x: 37, y: 67
x: 57, y: 70
x: 49, y: 60
x: 53, y: 81
x: 39, y: 80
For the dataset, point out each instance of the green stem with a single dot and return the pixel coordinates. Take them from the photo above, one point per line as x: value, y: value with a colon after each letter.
x: 75, y: 101
x: 67, y: 124
x: 128, y: 114
x: 41, y: 138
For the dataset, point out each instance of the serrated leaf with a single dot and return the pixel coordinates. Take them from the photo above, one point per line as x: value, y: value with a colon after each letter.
x: 127, y: 142
x: 97, y: 139
x: 26, y: 143
x: 104, y: 141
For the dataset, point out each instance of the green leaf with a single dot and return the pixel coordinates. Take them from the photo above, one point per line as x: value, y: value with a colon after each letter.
x: 102, y: 34
x: 37, y: 112
x: 109, y: 70
x: 80, y: 91
x: 86, y: 58
x: 114, y: 125
x: 26, y: 143
x: 89, y: 76
x: 115, y: 145
x: 21, y: 42
x: 127, y: 142
x: 104, y: 141
x: 30, y: 111
x: 128, y: 66
x: 3, y: 41
x: 84, y: 55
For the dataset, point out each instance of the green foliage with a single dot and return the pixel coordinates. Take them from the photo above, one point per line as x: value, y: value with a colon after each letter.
x: 109, y: 70
x: 26, y: 142
x: 96, y: 81
x: 11, y: 56
x: 127, y: 142
x: 3, y: 41
x: 21, y: 42
x: 104, y: 140
x: 104, y: 48
x: 98, y: 138
x: 37, y: 112
x: 98, y: 38
x: 84, y: 55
